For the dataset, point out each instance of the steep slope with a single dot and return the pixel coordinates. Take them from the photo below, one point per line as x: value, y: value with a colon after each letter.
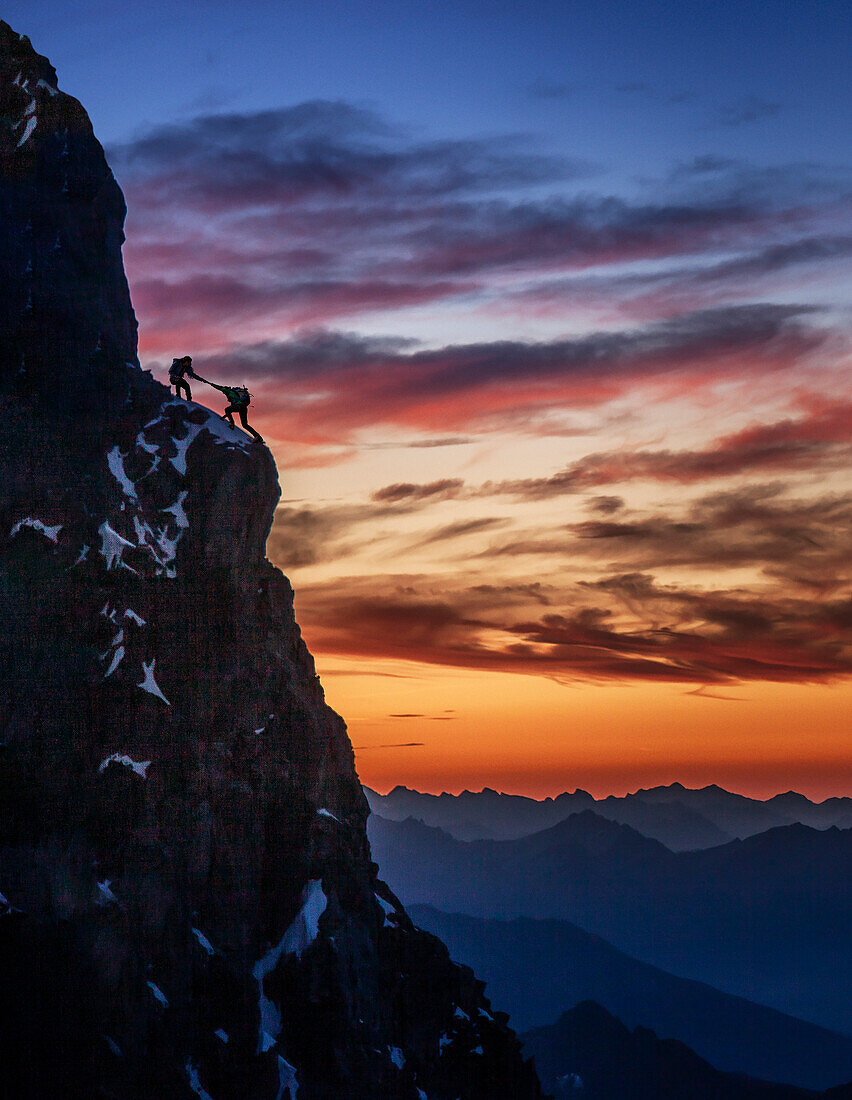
x: 187, y: 900
x: 590, y: 1054
x: 537, y: 969
x: 674, y: 824
x: 764, y: 918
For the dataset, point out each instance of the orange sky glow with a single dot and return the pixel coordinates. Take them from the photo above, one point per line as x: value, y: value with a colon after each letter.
x: 527, y: 736
x: 564, y: 449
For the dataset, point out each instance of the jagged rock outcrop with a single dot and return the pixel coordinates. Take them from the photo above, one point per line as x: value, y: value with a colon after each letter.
x: 187, y: 900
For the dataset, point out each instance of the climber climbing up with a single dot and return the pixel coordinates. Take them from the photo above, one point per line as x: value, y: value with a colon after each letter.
x: 177, y: 375
x: 239, y: 400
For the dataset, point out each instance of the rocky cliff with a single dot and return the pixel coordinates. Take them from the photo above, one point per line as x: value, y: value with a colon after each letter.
x: 187, y: 900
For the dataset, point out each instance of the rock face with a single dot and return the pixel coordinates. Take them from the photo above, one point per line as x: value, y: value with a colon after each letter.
x: 187, y: 900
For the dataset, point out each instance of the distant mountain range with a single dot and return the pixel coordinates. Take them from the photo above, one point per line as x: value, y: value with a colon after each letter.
x: 536, y: 969
x: 678, y: 817
x: 766, y: 918
x: 589, y: 1055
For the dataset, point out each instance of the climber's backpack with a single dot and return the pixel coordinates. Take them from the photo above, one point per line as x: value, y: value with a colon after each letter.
x: 239, y: 395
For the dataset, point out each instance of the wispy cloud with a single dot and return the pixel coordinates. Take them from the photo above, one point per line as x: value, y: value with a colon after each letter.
x: 460, y: 529
x: 323, y: 398
x: 324, y: 211
x: 689, y: 636
x: 748, y: 270
x: 399, y: 745
x: 818, y: 439
x: 757, y: 526
x: 431, y: 717
x: 747, y: 109
x: 442, y: 489
x: 605, y: 614
x: 274, y: 245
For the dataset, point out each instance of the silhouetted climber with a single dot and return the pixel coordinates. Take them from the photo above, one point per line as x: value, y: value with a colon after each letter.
x: 239, y: 400
x: 177, y: 375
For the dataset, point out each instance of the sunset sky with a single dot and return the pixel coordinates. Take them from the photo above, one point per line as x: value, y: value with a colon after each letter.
x: 545, y: 310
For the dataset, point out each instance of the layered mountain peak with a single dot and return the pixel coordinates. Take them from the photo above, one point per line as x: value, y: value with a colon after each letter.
x: 18, y: 51
x: 188, y: 904
x: 65, y: 314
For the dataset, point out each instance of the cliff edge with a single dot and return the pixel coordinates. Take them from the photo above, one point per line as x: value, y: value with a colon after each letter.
x: 188, y: 905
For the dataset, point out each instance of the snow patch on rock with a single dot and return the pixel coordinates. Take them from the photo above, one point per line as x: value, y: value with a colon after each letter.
x: 287, y: 1079
x: 205, y: 943
x: 113, y: 545
x: 51, y: 533
x: 220, y: 429
x: 298, y: 937
x: 161, y: 548
x: 195, y: 1081
x: 140, y: 767
x: 177, y: 511
x: 151, y: 448
x: 182, y: 445
x: 149, y: 684
x: 115, y: 460
x: 117, y: 658
x: 106, y: 895
x: 158, y: 994
x: 31, y: 125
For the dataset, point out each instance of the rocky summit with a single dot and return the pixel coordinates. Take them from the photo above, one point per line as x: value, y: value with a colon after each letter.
x: 188, y: 905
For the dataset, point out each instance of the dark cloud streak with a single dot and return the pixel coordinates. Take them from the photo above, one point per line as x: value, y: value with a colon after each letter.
x: 821, y: 439
x: 324, y: 210
x: 442, y: 489
x: 698, y: 638
x: 362, y: 381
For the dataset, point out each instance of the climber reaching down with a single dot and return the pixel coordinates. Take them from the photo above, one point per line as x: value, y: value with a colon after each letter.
x: 177, y: 375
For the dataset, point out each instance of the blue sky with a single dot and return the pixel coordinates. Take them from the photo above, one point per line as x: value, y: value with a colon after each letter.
x: 632, y: 86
